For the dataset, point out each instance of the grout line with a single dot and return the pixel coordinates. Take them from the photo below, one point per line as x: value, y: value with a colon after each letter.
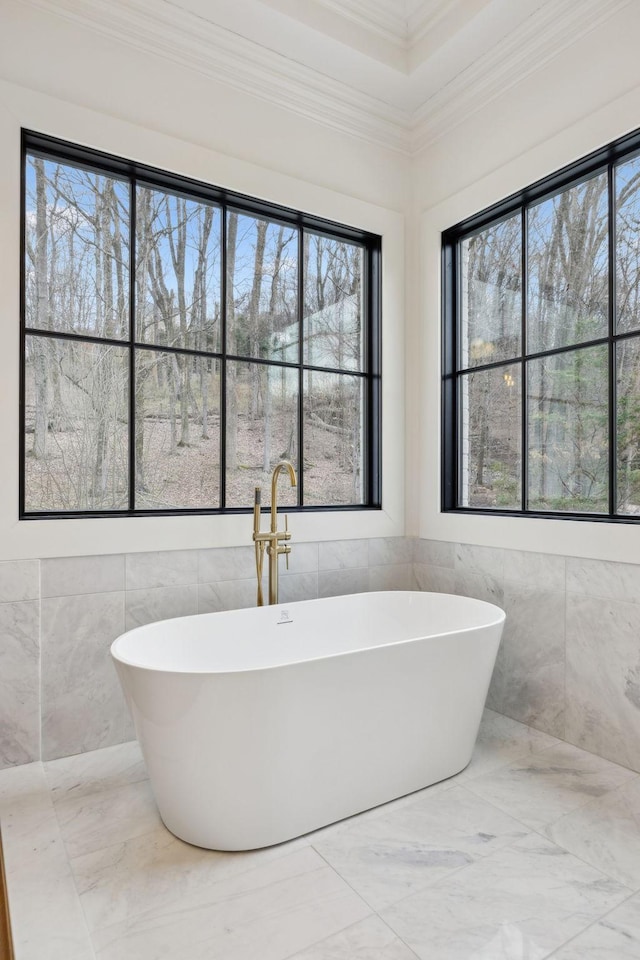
x: 590, y: 926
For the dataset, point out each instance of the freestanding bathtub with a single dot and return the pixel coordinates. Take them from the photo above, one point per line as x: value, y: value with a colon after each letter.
x: 260, y: 725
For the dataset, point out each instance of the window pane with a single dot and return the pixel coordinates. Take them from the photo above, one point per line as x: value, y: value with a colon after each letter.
x: 262, y: 428
x: 177, y: 271
x: 76, y: 416
x: 490, y: 455
x: 77, y: 250
x: 627, y: 183
x: 491, y: 314
x: 568, y: 427
x: 628, y: 427
x: 177, y: 436
x: 333, y: 294
x: 262, y: 288
x: 568, y: 278
x: 333, y: 438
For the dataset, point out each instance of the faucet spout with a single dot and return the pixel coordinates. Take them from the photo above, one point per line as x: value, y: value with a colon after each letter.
x: 281, y: 465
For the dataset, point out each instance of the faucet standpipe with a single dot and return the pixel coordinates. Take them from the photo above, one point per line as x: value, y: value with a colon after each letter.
x: 272, y: 540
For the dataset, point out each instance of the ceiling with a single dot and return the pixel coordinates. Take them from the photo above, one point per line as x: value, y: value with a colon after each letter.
x: 398, y: 73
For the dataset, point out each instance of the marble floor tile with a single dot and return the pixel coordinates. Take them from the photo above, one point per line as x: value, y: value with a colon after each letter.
x: 89, y: 823
x: 371, y: 939
x: 270, y: 913
x: 541, y: 788
x: 46, y: 916
x: 386, y: 858
x: 614, y: 937
x: 501, y: 741
x: 87, y: 773
x: 606, y: 834
x: 47, y: 920
x: 520, y: 903
x: 150, y: 873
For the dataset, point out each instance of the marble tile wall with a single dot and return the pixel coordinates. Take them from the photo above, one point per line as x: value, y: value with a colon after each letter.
x: 59, y: 694
x: 569, y: 662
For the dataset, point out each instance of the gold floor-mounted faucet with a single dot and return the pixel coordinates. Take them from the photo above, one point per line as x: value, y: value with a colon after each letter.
x: 272, y: 539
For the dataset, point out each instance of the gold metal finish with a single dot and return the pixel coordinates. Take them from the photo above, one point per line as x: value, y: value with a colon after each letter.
x: 272, y: 539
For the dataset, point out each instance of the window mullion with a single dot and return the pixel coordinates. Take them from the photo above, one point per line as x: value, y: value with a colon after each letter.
x: 613, y: 460
x: 132, y: 339
x: 301, y: 281
x: 223, y: 360
x: 524, y: 454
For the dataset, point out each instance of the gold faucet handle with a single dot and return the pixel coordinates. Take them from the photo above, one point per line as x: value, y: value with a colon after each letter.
x: 287, y: 534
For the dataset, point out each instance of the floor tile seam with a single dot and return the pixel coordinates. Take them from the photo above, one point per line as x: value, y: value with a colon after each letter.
x: 140, y: 915
x: 531, y: 827
x: 539, y: 831
x: 589, y: 799
x: 427, y: 885
x: 516, y: 759
x: 149, y: 914
x: 477, y: 796
x: 375, y: 813
x: 345, y: 881
x: 72, y: 877
x: 594, y: 923
x: 108, y: 846
x: 57, y: 801
x: 106, y: 791
x: 318, y: 943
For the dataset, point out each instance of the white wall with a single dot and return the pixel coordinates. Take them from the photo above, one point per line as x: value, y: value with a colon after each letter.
x: 59, y: 78
x: 577, y: 102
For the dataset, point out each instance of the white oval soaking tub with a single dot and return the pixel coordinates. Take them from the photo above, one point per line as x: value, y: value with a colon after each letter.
x: 255, y: 731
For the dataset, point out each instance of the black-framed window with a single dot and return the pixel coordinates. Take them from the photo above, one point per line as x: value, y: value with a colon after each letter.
x: 178, y: 339
x: 541, y: 347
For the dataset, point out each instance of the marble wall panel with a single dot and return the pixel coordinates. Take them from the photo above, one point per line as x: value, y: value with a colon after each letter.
x: 436, y: 553
x: 227, y: 595
x: 159, y: 603
x: 392, y: 576
x: 226, y: 563
x: 162, y: 568
x: 71, y: 576
x: 339, y: 583
x: 19, y: 580
x: 529, y: 676
x: 19, y: 682
x: 434, y: 579
x: 82, y: 704
x: 390, y: 550
x: 343, y: 554
x: 603, y: 677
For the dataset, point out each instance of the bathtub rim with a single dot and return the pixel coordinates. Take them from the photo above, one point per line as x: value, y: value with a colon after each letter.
x: 127, y: 662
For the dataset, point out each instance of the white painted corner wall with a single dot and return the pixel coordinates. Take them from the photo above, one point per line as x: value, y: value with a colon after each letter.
x: 63, y: 79
x: 300, y: 164
x: 576, y: 103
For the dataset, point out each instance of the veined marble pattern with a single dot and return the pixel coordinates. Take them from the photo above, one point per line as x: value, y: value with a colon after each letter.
x: 19, y: 682
x: 603, y: 677
x: 452, y: 872
x: 615, y: 937
x: 82, y: 703
x: 529, y: 676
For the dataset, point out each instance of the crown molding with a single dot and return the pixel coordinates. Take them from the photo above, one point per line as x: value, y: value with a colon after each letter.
x: 162, y: 28
x: 427, y: 16
x: 165, y: 29
x: 385, y: 17
x: 545, y: 34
